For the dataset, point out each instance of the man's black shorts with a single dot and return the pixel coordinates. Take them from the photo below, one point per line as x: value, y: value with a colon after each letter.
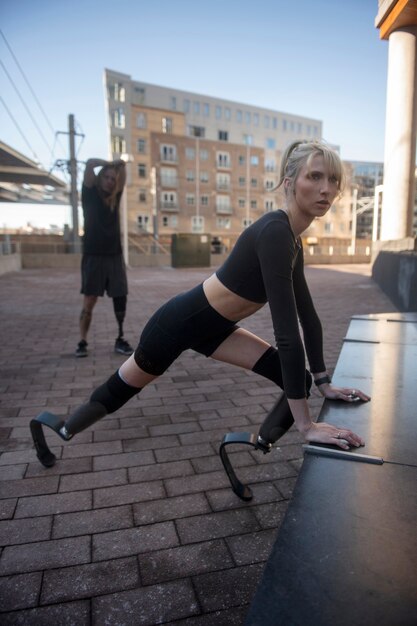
x: 103, y: 273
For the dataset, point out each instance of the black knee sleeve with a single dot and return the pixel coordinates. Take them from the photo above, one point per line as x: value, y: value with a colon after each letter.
x: 280, y: 418
x: 105, y: 399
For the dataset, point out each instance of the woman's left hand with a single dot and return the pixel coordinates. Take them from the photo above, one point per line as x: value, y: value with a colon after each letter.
x: 347, y: 394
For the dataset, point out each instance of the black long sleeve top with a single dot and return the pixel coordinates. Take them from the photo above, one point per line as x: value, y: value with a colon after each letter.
x: 267, y: 265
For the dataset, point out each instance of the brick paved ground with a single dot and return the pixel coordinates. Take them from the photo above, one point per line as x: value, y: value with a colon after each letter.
x: 136, y: 523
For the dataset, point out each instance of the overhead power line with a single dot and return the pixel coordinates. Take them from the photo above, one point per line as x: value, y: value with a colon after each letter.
x: 20, y: 130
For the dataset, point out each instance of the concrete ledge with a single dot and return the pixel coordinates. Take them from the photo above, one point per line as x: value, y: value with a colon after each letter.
x: 396, y: 274
x: 10, y: 263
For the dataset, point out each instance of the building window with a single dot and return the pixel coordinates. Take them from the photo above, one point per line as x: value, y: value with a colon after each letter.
x: 169, y: 177
x: 141, y: 170
x: 169, y: 201
x: 223, y: 135
x: 299, y: 128
x: 169, y: 221
x: 253, y: 182
x: 242, y: 181
x: 223, y: 204
x: 239, y: 116
x: 241, y: 159
x: 270, y: 165
x: 247, y: 221
x: 223, y: 182
x: 189, y: 199
x: 254, y: 160
x: 284, y: 125
x: 142, y: 195
x: 143, y: 222
x: 141, y: 120
x: 173, y: 103
x: 167, y: 125
x: 328, y: 227
x: 269, y: 205
x: 190, y: 176
x: 141, y: 145
x: 204, y: 200
x: 203, y: 155
x: 197, y: 108
x: 224, y: 223
x: 274, y: 123
x: 241, y: 203
x: 168, y: 152
x: 197, y: 224
x: 271, y: 144
x: 119, y: 92
x: 139, y: 95
x: 118, y: 144
x: 269, y: 185
x: 248, y: 117
x: 206, y: 109
x: 190, y: 153
x: 197, y: 131
x: 266, y: 121
x: 119, y: 119
x: 218, y: 112
x: 186, y: 106
x: 227, y: 113
x: 253, y: 204
x: 223, y: 159
x: 248, y: 140
x: 256, y: 119
x: 204, y: 176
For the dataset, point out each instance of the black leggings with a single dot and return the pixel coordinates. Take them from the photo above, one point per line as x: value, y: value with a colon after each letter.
x: 187, y: 321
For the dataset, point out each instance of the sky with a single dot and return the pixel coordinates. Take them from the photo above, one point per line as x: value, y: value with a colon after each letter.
x: 320, y: 59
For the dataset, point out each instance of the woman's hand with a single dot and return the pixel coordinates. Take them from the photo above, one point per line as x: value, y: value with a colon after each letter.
x: 347, y: 394
x: 326, y: 433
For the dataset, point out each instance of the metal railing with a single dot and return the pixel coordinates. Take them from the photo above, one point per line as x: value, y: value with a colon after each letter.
x: 149, y: 246
x: 9, y: 247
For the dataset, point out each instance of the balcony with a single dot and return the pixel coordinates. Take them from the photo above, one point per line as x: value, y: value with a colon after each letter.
x: 224, y: 210
x: 169, y: 158
x: 169, y: 182
x: 169, y: 206
x: 223, y: 186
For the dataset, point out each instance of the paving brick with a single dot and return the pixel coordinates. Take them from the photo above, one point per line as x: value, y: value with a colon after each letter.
x: 146, y: 606
x: 24, y: 530
x: 160, y: 471
x: 226, y: 499
x: 7, y: 508
x: 149, y: 443
x: 192, y: 484
x: 170, y: 508
x: 54, y: 504
x: 92, y: 579
x: 271, y: 515
x: 233, y: 587
x: 20, y: 591
x: 174, y: 429
x: 61, y: 467
x: 30, y: 557
x: 215, y: 436
x: 92, y: 449
x: 126, y: 459
x: 69, y: 614
x: 93, y: 480
x: 127, y: 494
x: 119, y: 543
x: 90, y: 522
x: 183, y: 452
x: 184, y: 561
x: 29, y: 487
x: 252, y: 547
x: 120, y: 434
x: 213, y: 463
x: 214, y: 525
x: 286, y: 486
x: 12, y: 472
x: 230, y: 617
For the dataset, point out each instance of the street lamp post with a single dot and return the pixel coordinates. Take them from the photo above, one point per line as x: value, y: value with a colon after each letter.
x: 125, y: 225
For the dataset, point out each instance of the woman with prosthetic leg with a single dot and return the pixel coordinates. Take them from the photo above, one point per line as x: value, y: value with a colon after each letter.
x: 266, y: 265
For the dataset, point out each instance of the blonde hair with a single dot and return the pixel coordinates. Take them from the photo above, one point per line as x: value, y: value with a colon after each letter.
x: 300, y: 153
x: 110, y: 200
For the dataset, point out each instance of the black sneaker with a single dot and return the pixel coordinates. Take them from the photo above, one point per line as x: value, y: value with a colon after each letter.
x: 123, y: 347
x: 81, y: 349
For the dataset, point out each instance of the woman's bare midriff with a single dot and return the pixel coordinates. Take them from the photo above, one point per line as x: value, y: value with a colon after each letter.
x: 227, y: 303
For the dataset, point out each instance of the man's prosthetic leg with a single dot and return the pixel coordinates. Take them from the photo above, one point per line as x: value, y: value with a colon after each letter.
x: 105, y: 399
x: 278, y: 421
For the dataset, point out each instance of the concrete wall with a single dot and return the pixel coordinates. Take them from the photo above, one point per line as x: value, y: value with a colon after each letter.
x: 396, y: 274
x: 10, y: 263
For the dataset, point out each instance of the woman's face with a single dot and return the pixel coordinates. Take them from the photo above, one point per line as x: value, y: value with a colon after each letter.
x: 315, y: 188
x: 108, y: 181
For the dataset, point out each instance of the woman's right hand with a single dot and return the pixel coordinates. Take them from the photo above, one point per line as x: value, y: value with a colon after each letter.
x: 339, y: 436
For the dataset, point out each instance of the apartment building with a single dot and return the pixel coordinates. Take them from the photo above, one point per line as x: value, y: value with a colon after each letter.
x: 200, y: 164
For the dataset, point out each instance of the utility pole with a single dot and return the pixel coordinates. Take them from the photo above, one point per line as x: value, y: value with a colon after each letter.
x: 74, y: 192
